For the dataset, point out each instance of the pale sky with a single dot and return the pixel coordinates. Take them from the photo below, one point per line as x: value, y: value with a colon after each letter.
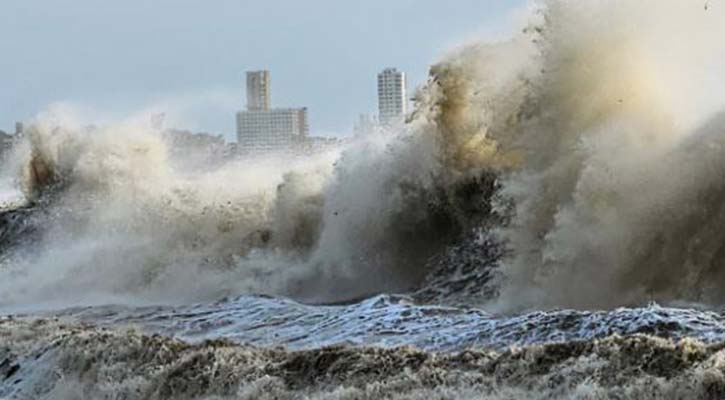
x: 188, y: 57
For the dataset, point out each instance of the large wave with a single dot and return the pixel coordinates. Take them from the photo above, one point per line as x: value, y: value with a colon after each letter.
x: 617, y: 194
x: 602, y: 125
x: 116, y: 220
x: 589, y: 146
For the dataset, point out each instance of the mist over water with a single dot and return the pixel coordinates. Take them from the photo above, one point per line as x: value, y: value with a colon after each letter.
x: 118, y: 220
x: 617, y: 193
x: 589, y: 146
x: 579, y: 164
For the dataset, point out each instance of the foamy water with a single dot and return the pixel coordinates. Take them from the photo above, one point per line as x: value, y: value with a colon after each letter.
x: 394, y: 321
x: 512, y: 240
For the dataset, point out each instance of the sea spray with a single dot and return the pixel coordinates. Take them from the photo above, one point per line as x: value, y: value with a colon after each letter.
x: 119, y: 221
x: 619, y: 138
x: 587, y: 148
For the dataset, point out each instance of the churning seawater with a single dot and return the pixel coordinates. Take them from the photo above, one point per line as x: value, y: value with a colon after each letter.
x: 547, y: 224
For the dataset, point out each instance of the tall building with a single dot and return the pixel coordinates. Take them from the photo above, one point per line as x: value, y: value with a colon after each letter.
x: 391, y: 96
x: 258, y: 91
x: 262, y: 127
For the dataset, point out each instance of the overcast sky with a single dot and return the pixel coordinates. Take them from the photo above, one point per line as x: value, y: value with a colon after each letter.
x: 188, y: 57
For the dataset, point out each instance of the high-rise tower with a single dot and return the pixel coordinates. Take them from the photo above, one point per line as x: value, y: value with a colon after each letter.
x: 391, y: 96
x: 258, y: 91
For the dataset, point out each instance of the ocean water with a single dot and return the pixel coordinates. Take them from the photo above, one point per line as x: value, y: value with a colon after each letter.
x: 547, y: 224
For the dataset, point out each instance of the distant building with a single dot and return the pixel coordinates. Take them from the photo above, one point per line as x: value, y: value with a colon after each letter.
x: 392, y: 101
x: 6, y: 143
x: 195, y: 151
x: 365, y: 125
x: 272, y: 129
x: 19, y: 129
x: 314, y: 145
x: 184, y: 139
x: 258, y: 91
x: 262, y: 127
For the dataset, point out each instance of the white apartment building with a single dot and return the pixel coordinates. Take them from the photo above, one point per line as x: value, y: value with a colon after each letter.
x: 262, y: 127
x: 392, y: 102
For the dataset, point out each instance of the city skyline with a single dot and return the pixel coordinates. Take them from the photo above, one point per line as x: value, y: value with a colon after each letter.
x: 189, y: 59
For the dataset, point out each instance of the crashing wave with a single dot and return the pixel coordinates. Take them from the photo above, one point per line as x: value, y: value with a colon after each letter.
x: 586, y: 151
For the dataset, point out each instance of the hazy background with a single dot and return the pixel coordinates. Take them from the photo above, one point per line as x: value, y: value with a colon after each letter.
x: 187, y: 57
